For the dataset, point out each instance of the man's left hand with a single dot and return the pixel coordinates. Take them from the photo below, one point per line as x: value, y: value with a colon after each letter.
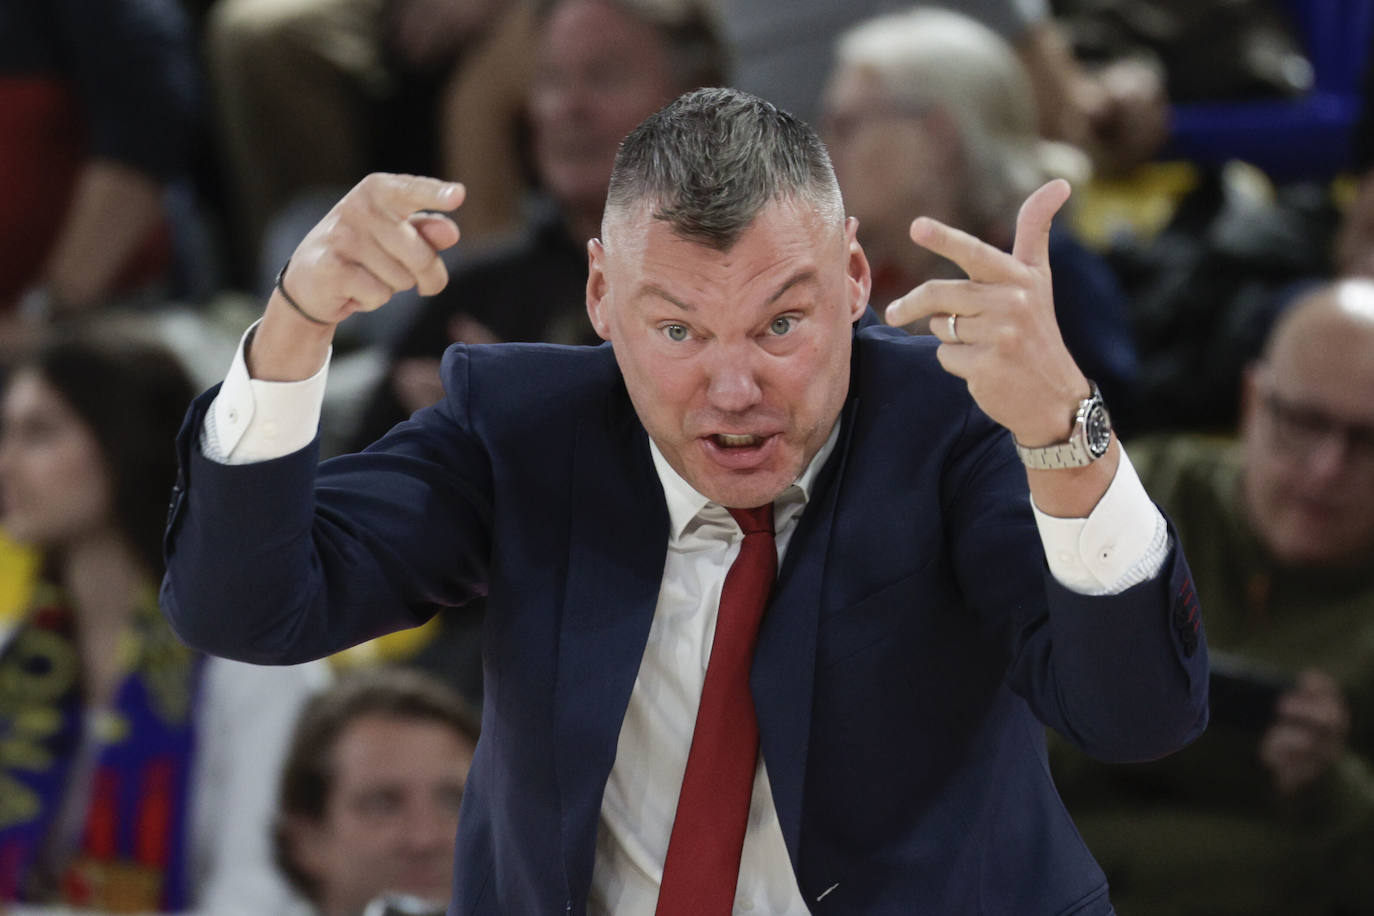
x: 1008, y: 346
x: 1309, y: 733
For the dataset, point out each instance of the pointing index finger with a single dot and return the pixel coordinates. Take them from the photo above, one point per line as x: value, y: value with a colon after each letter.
x: 982, y: 262
x: 402, y: 195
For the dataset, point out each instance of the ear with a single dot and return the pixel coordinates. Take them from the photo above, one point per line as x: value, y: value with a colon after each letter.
x: 597, y: 287
x: 860, y: 277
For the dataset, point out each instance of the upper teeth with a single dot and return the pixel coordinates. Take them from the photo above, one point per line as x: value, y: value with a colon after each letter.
x: 730, y: 440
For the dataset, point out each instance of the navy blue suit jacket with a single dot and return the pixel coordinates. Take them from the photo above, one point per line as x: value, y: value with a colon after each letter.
x: 912, y: 649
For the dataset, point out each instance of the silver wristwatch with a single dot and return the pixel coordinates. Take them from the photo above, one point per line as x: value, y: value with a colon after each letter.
x: 1088, y: 440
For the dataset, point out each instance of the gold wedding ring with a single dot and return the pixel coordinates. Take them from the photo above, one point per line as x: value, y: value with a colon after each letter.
x: 953, y: 330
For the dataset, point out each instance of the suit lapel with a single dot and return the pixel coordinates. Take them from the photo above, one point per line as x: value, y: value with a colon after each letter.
x: 783, y: 673
x: 618, y: 544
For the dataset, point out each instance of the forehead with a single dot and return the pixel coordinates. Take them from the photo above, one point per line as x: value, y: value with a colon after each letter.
x: 852, y: 85
x: 1327, y: 360
x: 783, y: 239
x: 371, y: 746
x: 580, y: 29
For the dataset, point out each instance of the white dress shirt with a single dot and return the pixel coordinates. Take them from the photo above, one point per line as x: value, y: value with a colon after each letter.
x: 1122, y: 542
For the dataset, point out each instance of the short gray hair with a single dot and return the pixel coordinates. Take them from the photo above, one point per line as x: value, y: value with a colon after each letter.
x: 711, y: 161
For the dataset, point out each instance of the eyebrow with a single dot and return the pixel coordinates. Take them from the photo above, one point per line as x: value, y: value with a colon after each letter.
x: 801, y: 276
x: 653, y: 289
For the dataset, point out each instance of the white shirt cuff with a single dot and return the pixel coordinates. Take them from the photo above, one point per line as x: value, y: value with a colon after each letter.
x: 1124, y: 540
x: 253, y: 420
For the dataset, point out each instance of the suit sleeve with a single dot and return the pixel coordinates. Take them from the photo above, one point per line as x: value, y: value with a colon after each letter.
x: 281, y: 561
x: 1124, y: 676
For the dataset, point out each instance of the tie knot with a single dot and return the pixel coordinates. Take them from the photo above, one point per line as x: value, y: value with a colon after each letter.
x: 758, y: 520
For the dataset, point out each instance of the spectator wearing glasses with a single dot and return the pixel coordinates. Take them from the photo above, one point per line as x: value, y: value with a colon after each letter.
x: 1275, y: 803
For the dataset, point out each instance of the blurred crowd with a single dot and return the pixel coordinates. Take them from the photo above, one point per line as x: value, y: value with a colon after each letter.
x: 160, y: 160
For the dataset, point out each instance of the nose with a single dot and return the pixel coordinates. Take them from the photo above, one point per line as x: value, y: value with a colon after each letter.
x: 429, y: 828
x: 733, y: 386
x: 563, y: 99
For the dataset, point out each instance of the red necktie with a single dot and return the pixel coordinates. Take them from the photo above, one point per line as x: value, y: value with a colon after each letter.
x: 702, y: 866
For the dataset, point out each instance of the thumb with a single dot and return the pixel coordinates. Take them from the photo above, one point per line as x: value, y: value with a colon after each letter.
x: 438, y: 230
x: 1032, y: 245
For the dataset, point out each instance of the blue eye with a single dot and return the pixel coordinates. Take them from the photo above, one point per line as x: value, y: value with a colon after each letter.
x: 782, y: 325
x: 677, y: 333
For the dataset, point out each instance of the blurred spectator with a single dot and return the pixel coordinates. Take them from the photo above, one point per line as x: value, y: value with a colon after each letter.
x: 1272, y: 810
x: 928, y: 113
x: 1244, y: 76
x: 1207, y: 50
x: 136, y: 775
x: 781, y: 51
x: 371, y: 791
x: 602, y: 66
x: 1118, y: 113
x: 313, y: 94
x: 98, y: 104
x: 1205, y: 290
x: 484, y: 125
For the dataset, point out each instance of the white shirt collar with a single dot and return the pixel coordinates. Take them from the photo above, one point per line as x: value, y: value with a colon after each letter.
x: 685, y: 503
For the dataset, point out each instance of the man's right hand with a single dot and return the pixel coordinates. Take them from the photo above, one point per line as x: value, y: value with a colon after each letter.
x: 374, y: 243
x: 381, y: 238
x: 1309, y: 734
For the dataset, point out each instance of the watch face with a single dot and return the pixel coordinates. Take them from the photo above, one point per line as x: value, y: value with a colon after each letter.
x: 1098, y: 429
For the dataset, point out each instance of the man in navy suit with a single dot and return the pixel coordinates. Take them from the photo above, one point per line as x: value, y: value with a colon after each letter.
x: 926, y: 617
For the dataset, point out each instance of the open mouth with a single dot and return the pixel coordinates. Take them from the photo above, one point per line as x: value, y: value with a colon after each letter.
x: 740, y: 451
x: 729, y: 440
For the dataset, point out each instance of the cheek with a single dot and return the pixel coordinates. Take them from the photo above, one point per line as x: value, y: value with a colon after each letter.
x: 85, y: 483
x: 662, y: 386
x: 1268, y: 471
x: 817, y: 384
x: 885, y: 196
x: 62, y: 482
x: 863, y: 172
x: 358, y: 841
x: 1266, y: 488
x: 663, y: 395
